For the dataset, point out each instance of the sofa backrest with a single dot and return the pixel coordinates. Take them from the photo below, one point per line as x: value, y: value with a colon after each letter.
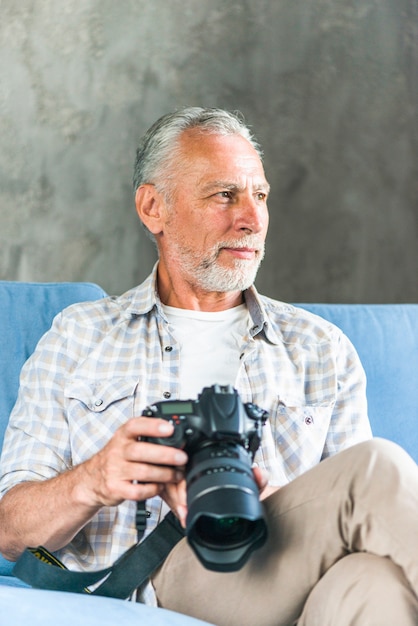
x: 26, y: 313
x: 386, y: 339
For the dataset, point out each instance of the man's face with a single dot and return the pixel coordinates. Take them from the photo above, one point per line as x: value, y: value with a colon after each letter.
x: 215, y: 227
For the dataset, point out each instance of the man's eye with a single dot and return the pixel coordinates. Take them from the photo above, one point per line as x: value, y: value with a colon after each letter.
x: 225, y: 194
x: 261, y: 196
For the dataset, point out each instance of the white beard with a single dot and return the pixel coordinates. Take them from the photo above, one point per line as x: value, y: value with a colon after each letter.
x: 210, y: 275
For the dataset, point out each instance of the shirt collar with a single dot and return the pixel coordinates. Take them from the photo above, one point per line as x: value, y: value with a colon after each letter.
x: 259, y: 316
x: 144, y: 298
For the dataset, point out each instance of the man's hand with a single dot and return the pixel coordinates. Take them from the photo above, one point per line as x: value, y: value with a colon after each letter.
x: 51, y: 512
x: 174, y: 495
x: 128, y: 468
x: 262, y: 482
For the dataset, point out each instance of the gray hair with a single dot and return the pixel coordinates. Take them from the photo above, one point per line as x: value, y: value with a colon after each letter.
x: 159, y: 147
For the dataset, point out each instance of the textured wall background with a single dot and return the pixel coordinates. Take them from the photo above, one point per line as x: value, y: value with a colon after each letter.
x: 330, y: 87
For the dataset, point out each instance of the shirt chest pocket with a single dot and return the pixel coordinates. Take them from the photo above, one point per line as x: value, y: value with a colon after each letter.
x: 300, y: 432
x: 95, y: 409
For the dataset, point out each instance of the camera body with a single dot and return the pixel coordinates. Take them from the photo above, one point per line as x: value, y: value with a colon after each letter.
x: 220, y: 434
x: 217, y: 415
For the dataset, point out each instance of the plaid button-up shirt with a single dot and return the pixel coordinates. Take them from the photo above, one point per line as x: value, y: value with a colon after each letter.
x: 102, y: 362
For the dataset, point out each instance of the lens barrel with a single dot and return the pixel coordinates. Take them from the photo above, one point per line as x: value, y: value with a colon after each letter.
x: 225, y: 521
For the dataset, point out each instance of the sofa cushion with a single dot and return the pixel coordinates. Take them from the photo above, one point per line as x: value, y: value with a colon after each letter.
x: 34, y: 607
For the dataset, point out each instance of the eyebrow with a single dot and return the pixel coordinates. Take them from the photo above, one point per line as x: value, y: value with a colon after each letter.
x: 224, y: 184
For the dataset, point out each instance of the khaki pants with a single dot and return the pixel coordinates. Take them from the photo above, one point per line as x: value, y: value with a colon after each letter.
x: 342, y: 550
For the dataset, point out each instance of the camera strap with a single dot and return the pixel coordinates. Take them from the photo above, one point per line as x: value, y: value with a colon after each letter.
x: 119, y: 580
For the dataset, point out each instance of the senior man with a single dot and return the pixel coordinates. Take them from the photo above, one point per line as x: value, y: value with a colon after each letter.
x: 341, y: 508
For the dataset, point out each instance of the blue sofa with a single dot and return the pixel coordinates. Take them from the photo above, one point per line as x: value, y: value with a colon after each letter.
x: 386, y: 338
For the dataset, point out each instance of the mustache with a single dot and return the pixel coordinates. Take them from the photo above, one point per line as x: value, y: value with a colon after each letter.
x: 245, y: 242
x: 248, y: 241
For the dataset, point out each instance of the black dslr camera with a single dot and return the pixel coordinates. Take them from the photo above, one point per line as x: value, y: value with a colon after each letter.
x: 220, y: 434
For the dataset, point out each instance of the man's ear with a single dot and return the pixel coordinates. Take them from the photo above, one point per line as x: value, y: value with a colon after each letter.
x: 150, y: 207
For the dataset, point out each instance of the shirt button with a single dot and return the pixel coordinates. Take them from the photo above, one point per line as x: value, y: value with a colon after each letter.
x: 309, y: 420
x: 167, y: 394
x: 168, y: 348
x: 98, y: 402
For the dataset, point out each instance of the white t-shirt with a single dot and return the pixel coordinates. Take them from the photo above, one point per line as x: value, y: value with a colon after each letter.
x: 210, y: 346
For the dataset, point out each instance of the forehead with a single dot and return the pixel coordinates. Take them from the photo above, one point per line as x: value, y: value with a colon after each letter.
x: 207, y: 157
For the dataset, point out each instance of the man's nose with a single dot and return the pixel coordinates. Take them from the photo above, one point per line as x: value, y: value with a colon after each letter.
x: 252, y: 215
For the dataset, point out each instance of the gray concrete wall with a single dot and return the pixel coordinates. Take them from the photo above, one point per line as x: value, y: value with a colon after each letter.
x: 330, y: 87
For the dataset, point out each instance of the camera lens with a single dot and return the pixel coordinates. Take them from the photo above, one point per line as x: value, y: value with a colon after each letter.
x: 227, y: 531
x: 225, y: 521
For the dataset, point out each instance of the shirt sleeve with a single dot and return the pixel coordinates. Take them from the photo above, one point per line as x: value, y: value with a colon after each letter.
x: 36, y: 444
